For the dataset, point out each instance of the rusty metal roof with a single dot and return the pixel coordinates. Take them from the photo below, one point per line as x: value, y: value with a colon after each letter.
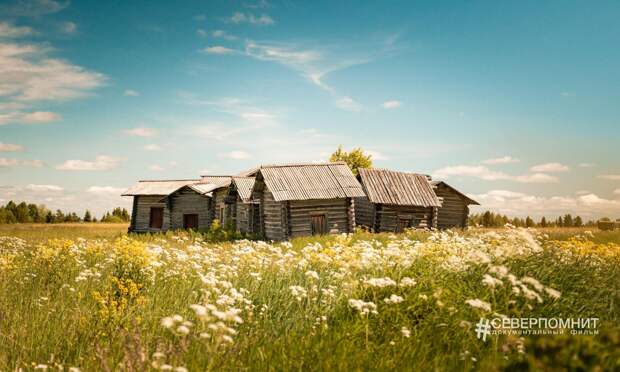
x: 311, y: 181
x: 244, y: 187
x: 157, y: 187
x: 466, y: 198
x: 384, y: 186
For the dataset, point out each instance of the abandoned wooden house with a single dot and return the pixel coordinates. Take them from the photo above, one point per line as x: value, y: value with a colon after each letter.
x: 395, y: 201
x: 454, y: 211
x: 305, y: 199
x: 243, y: 211
x: 162, y: 205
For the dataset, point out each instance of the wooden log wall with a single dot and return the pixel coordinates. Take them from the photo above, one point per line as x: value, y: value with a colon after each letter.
x: 336, y: 212
x: 454, y: 211
x: 387, y: 217
x: 273, y: 218
x: 364, y: 212
x: 188, y: 201
x: 143, y: 213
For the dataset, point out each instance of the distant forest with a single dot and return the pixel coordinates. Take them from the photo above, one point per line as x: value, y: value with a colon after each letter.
x: 490, y: 219
x: 33, y: 213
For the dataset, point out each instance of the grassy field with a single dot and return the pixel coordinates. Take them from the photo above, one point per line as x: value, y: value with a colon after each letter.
x: 91, y: 297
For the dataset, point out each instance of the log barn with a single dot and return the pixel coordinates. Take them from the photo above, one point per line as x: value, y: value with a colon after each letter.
x: 160, y: 205
x: 305, y: 199
x: 454, y: 211
x: 243, y: 210
x: 395, y: 201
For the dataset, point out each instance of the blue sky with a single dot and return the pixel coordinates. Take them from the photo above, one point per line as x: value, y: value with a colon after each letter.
x: 516, y: 104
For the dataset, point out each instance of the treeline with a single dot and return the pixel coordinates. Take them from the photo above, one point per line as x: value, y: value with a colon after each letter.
x: 33, y: 213
x: 490, y: 219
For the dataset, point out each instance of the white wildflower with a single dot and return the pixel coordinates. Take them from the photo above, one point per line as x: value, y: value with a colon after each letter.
x: 490, y: 281
x: 405, y: 331
x: 393, y: 299
x: 363, y: 307
x: 479, y: 304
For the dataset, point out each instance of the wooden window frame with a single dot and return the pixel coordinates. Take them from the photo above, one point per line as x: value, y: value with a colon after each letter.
x: 186, y: 217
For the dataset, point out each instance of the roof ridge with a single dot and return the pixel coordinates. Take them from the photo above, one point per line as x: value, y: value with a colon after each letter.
x: 302, y: 164
x: 392, y: 170
x: 179, y: 180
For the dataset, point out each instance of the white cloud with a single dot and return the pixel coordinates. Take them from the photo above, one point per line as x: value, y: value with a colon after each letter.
x: 348, y: 104
x: 40, y: 117
x: 141, y: 132
x: 131, y: 93
x: 587, y: 165
x: 549, y: 167
x: 262, y: 20
x: 156, y: 167
x: 617, y: 191
x: 105, y: 190
x: 376, y: 155
x: 221, y: 34
x: 502, y: 160
x: 12, y: 162
x: 43, y: 188
x: 69, y: 28
x: 32, y: 8
x: 218, y: 49
x: 590, y: 206
x: 10, y: 147
x: 237, y: 155
x: 391, y: 104
x: 9, y: 31
x: 613, y: 177
x: 152, y: 147
x: 483, y: 172
x: 101, y: 162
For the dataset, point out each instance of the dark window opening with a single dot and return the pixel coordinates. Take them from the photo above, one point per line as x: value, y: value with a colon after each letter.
x: 404, y: 223
x: 318, y: 224
x: 190, y: 221
x: 156, y: 218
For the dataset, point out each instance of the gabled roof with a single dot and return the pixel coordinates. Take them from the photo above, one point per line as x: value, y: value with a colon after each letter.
x: 157, y: 187
x: 220, y: 181
x: 466, y: 198
x: 310, y: 181
x: 384, y: 186
x: 244, y: 187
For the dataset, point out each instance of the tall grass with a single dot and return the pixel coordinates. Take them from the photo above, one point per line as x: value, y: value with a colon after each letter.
x: 175, y: 301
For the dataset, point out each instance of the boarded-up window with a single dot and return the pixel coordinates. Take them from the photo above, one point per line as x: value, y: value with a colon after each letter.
x: 404, y: 223
x: 190, y: 221
x: 156, y: 218
x: 318, y: 224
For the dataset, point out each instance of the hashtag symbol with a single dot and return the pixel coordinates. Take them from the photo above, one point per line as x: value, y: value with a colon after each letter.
x: 483, y: 328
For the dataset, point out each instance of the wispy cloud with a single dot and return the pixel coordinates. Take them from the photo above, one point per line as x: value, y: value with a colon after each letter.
x: 617, y: 191
x: 43, y: 188
x: 613, y: 177
x: 9, y: 31
x: 484, y: 173
x: 587, y: 165
x: 10, y: 147
x: 391, y: 104
x: 36, y: 117
x: 152, y: 147
x: 218, y: 49
x: 12, y: 162
x: 250, y: 18
x: 141, y: 132
x: 131, y: 93
x: 102, y: 162
x: 501, y: 160
x: 69, y: 28
x: 549, y: 167
x: 32, y: 8
x: 348, y: 104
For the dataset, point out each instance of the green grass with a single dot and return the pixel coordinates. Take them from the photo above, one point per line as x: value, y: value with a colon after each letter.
x: 99, y: 303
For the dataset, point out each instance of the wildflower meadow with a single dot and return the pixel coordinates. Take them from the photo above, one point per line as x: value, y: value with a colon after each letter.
x: 412, y: 301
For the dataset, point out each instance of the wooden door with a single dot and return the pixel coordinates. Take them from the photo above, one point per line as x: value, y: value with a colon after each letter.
x: 156, y: 218
x: 318, y: 224
x: 404, y: 223
x: 190, y: 221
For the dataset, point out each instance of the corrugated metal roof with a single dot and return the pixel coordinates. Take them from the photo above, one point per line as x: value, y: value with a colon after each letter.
x: 465, y: 197
x: 311, y: 181
x: 157, y: 187
x: 244, y: 187
x: 385, y: 186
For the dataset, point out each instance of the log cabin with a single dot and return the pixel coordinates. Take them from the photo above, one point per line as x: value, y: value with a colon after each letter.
x: 243, y: 210
x: 161, y: 205
x: 454, y: 211
x: 395, y: 201
x: 305, y: 199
